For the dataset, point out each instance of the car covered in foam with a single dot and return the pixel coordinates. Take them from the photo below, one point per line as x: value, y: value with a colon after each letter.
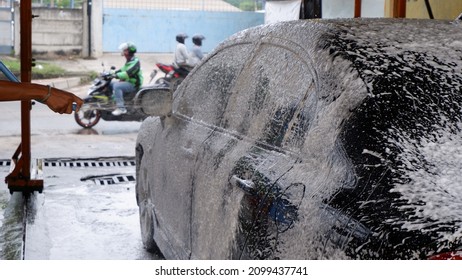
x: 310, y: 139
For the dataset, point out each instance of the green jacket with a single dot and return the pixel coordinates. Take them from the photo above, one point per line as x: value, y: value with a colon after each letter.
x: 131, y: 72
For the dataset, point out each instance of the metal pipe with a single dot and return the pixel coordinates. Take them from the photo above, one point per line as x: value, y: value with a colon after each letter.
x: 26, y: 76
x: 10, y: 76
x: 89, y: 8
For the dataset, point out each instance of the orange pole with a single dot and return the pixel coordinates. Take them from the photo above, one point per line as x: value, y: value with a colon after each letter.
x: 26, y: 76
x: 20, y: 178
x: 399, y: 10
x: 357, y: 8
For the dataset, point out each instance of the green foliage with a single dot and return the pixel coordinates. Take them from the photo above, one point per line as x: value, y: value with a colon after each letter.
x: 235, y: 3
x: 42, y: 70
x: 58, y: 3
x: 246, y: 5
x: 12, y: 64
x: 91, y: 76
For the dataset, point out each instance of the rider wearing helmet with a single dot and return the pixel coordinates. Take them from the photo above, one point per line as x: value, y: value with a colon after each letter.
x: 196, y: 52
x: 181, y: 53
x: 130, y: 77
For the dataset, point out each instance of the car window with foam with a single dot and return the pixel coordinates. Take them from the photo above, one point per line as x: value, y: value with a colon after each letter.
x: 205, y: 97
x: 256, y: 92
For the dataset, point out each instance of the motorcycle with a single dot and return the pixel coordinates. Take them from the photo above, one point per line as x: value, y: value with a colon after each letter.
x: 173, y: 77
x: 99, y: 102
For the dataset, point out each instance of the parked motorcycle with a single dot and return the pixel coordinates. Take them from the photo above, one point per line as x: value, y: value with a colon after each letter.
x: 99, y: 102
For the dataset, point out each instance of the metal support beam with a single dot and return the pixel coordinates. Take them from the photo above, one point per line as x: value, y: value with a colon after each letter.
x: 357, y: 8
x: 20, y: 178
x: 399, y: 8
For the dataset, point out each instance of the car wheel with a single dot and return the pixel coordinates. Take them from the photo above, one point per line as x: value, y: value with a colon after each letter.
x: 147, y: 227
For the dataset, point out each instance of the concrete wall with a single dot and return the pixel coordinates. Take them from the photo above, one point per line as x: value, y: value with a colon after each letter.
x: 442, y: 9
x: 447, y: 9
x: 93, y: 30
x: 55, y: 32
x: 75, y: 32
x: 6, y: 30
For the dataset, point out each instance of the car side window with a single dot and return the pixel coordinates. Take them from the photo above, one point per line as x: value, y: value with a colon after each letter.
x: 205, y: 97
x: 268, y: 100
x: 256, y: 91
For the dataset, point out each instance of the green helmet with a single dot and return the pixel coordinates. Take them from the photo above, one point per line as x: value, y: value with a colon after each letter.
x: 128, y: 46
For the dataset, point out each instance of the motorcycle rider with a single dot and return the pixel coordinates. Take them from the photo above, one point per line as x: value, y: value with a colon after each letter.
x: 130, y: 77
x: 181, y: 55
x: 196, y: 52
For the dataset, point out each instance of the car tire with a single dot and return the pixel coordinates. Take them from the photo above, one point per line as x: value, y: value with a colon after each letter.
x: 147, y: 227
x: 87, y: 117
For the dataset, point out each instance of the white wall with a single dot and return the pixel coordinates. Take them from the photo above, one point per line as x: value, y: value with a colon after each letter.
x: 338, y: 8
x: 372, y: 8
x: 346, y: 8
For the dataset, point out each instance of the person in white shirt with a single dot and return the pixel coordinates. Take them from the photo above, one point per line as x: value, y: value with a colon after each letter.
x: 181, y: 52
x: 196, y: 52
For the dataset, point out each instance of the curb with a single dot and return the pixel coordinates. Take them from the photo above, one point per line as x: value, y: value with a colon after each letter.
x: 60, y: 83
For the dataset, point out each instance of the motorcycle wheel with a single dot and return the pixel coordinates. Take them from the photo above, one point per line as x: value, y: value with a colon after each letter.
x: 175, y: 83
x: 159, y: 81
x: 87, y: 117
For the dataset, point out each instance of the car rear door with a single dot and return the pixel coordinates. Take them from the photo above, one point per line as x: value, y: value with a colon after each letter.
x: 247, y: 120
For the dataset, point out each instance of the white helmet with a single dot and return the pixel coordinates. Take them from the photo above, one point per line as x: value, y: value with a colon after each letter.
x: 128, y: 46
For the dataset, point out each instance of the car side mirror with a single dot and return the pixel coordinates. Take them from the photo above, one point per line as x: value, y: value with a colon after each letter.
x: 154, y: 101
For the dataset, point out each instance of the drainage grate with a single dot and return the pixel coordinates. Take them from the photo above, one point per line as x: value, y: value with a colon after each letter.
x: 106, y: 179
x: 110, y: 179
x: 95, y: 162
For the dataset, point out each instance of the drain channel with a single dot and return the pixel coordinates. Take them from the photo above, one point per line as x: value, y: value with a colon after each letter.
x: 110, y: 179
x: 106, y: 179
x: 91, y: 162
x: 103, y: 180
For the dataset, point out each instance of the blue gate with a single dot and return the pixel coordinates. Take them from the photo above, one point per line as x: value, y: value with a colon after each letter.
x: 153, y: 27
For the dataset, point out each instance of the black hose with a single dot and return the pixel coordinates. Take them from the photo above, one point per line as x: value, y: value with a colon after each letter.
x: 429, y: 9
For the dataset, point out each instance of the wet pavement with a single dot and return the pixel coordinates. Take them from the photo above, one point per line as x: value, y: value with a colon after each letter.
x: 93, y: 216
x: 87, y: 210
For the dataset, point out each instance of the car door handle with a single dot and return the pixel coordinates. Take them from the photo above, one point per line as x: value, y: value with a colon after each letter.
x: 246, y: 185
